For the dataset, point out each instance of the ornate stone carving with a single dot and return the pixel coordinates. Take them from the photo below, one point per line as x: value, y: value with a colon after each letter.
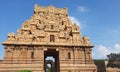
x: 49, y: 32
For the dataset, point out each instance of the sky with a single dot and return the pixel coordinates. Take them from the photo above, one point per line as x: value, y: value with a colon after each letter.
x: 97, y: 19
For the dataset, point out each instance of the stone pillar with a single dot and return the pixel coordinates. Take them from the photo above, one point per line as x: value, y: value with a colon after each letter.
x: 82, y: 55
x: 90, y: 50
x: 28, y: 54
x: 6, y: 52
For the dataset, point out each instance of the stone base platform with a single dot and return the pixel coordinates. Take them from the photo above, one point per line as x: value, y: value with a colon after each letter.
x: 37, y: 66
x: 15, y: 65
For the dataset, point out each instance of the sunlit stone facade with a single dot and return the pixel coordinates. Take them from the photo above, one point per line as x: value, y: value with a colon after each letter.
x: 49, y: 32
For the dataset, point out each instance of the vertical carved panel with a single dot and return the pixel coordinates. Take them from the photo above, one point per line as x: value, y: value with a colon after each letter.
x: 71, y: 54
x: 14, y: 54
x: 28, y: 54
x: 23, y: 53
x: 38, y: 53
x: 5, y: 53
x: 63, y: 54
x: 82, y: 55
x: 41, y: 54
x: 90, y: 53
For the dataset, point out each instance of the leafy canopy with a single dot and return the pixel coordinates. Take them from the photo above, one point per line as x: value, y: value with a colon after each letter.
x: 24, y: 71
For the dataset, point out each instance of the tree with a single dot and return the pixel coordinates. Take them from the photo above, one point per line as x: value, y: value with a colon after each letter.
x: 114, y: 56
x: 114, y: 60
x: 48, y: 68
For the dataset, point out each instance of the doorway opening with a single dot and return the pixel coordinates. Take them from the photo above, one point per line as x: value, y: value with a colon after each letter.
x: 51, y: 60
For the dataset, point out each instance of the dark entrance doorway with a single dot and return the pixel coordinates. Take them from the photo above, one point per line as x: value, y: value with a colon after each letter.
x: 50, y: 66
x: 51, y: 60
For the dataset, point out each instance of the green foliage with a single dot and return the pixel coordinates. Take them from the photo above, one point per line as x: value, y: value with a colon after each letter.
x: 99, y: 60
x: 48, y: 69
x: 24, y: 71
x: 70, y: 71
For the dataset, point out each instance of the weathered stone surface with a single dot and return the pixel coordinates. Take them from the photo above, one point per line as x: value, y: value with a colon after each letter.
x: 48, y: 32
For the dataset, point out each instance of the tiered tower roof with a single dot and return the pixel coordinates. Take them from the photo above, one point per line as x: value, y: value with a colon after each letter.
x: 48, y: 26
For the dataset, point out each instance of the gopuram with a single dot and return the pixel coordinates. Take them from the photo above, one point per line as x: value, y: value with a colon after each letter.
x: 49, y: 32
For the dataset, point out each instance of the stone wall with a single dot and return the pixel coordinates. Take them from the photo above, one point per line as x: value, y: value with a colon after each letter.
x: 15, y: 65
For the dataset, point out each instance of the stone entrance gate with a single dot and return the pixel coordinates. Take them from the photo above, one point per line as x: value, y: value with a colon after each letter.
x: 55, y: 64
x: 49, y: 32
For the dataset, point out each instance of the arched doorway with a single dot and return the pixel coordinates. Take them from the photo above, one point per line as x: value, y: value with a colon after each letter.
x: 50, y: 66
x: 51, y: 60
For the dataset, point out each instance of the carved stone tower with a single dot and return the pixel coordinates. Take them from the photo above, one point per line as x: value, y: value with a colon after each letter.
x: 49, y: 32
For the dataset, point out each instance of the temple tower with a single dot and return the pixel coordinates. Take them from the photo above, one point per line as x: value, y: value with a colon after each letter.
x: 49, y: 32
